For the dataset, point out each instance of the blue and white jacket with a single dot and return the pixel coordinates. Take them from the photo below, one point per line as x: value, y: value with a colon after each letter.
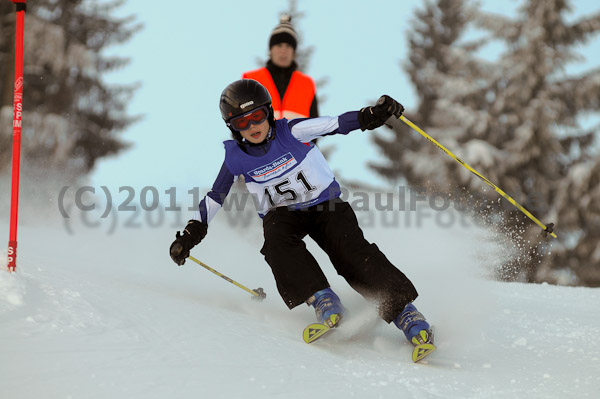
x: 286, y: 170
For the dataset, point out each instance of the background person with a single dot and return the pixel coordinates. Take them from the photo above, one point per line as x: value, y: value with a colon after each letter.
x: 293, y: 93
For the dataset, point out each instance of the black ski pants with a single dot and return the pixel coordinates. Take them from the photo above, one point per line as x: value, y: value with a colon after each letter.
x: 334, y: 227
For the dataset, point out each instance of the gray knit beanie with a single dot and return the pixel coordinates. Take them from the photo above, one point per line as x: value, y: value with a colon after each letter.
x: 284, y: 33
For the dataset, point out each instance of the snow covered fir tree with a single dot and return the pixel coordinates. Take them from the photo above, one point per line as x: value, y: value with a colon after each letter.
x: 517, y: 119
x: 72, y: 116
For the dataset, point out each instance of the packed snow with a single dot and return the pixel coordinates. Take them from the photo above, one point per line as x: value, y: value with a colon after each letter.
x: 95, y: 311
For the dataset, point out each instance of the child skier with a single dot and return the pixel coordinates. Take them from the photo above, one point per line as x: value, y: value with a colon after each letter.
x: 298, y: 196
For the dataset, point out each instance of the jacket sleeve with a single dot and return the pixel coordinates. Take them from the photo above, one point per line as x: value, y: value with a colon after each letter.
x: 308, y: 129
x: 213, y: 201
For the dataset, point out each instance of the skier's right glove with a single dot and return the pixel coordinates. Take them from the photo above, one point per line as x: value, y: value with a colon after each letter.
x: 193, y: 233
x: 373, y: 117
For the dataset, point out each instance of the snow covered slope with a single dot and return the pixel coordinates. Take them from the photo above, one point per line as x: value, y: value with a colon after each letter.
x: 97, y: 315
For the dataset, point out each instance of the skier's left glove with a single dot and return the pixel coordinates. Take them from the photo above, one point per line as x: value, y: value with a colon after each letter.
x: 193, y: 233
x: 373, y: 117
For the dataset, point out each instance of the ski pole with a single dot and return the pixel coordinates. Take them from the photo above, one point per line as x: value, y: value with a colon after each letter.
x: 258, y: 293
x: 547, y: 229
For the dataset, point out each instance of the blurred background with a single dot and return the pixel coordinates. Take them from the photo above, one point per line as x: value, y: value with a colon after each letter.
x: 125, y: 94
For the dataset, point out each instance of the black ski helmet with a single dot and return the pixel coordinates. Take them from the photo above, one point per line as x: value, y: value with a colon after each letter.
x: 241, y: 97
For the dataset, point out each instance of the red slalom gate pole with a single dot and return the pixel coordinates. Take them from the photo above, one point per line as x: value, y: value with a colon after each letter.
x: 18, y: 112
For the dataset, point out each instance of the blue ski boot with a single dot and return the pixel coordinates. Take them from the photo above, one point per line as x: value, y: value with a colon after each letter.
x: 328, y: 308
x: 417, y: 331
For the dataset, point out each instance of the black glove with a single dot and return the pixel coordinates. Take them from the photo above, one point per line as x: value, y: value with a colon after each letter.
x: 193, y: 233
x: 373, y: 117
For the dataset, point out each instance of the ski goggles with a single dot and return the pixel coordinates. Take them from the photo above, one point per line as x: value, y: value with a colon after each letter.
x: 254, y: 117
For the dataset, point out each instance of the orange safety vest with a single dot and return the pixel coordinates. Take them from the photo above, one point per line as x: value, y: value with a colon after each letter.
x: 298, y: 95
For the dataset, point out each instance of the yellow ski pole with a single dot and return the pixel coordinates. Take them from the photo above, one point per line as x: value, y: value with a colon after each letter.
x: 258, y: 293
x: 547, y: 229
